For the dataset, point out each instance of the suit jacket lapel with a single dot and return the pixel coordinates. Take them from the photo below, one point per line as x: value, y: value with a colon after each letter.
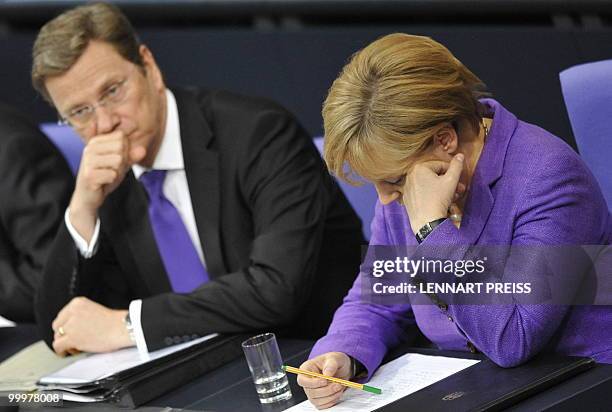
x: 489, y: 169
x: 128, y: 209
x: 202, y: 170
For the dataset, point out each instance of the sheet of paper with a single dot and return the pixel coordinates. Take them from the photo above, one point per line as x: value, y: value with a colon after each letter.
x: 21, y: 371
x: 5, y: 323
x: 398, y: 378
x: 73, y: 397
x: 101, y: 365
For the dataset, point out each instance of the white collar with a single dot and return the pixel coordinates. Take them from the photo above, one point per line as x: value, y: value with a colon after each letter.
x: 170, y: 154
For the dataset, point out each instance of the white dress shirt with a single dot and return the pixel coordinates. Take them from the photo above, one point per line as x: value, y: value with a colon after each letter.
x: 175, y: 188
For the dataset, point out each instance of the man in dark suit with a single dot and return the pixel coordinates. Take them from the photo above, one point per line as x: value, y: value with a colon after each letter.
x: 194, y: 211
x: 35, y: 186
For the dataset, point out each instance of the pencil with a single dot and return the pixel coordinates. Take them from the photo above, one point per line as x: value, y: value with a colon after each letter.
x: 350, y: 384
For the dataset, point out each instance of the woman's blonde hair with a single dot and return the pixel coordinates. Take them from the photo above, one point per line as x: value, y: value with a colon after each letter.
x: 389, y: 101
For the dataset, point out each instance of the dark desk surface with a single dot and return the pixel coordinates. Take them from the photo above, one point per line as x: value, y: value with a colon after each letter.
x: 14, y: 339
x: 230, y: 388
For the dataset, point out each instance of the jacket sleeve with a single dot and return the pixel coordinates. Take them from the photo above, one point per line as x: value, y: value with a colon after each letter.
x: 362, y: 329
x: 559, y: 211
x: 282, y: 179
x: 35, y: 187
x: 67, y: 275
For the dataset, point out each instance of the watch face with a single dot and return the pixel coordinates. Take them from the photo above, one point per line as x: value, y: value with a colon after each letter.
x: 425, y: 230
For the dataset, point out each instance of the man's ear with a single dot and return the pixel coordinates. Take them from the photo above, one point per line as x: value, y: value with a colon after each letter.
x: 150, y: 66
x: 446, y: 140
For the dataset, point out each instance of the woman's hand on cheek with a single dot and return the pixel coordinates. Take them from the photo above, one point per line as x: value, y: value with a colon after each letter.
x: 430, y: 188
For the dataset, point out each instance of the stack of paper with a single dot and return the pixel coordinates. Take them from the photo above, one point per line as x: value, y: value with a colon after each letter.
x: 90, y: 379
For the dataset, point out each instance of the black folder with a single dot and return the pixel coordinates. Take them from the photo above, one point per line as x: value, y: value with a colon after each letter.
x: 488, y: 387
x: 136, y: 386
x: 171, y: 372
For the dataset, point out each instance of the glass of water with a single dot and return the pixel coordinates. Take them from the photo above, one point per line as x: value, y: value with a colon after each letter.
x: 265, y: 363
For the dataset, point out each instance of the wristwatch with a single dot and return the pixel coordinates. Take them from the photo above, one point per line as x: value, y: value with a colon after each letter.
x: 130, y: 328
x: 357, y: 368
x: 427, y: 228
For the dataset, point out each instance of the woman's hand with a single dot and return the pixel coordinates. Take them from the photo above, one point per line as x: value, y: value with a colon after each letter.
x: 430, y: 188
x: 323, y: 393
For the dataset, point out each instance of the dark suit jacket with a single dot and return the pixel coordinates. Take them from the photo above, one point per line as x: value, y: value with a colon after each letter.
x: 35, y: 186
x: 281, y: 242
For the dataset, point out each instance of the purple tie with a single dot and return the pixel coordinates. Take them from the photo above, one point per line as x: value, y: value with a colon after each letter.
x: 180, y: 258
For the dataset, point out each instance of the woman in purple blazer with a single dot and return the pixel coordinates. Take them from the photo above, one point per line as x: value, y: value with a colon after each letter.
x: 453, y: 168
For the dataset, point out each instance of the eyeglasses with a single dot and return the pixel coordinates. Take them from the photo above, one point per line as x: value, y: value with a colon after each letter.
x: 82, y: 116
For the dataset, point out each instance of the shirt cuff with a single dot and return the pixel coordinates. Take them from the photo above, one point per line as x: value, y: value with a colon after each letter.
x: 141, y: 343
x: 87, y: 250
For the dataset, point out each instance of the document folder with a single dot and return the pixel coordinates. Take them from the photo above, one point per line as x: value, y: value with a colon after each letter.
x: 144, y: 382
x: 138, y: 388
x: 488, y: 387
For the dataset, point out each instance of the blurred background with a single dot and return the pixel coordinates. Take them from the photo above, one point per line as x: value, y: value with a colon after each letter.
x: 291, y: 50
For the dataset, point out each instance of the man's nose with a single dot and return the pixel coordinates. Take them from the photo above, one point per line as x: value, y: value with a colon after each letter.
x: 106, y: 120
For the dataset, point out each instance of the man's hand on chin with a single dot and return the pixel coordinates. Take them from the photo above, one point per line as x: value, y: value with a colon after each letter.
x: 86, y: 326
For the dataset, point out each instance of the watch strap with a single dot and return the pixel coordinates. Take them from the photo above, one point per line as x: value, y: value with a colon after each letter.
x: 427, y: 228
x: 130, y: 328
